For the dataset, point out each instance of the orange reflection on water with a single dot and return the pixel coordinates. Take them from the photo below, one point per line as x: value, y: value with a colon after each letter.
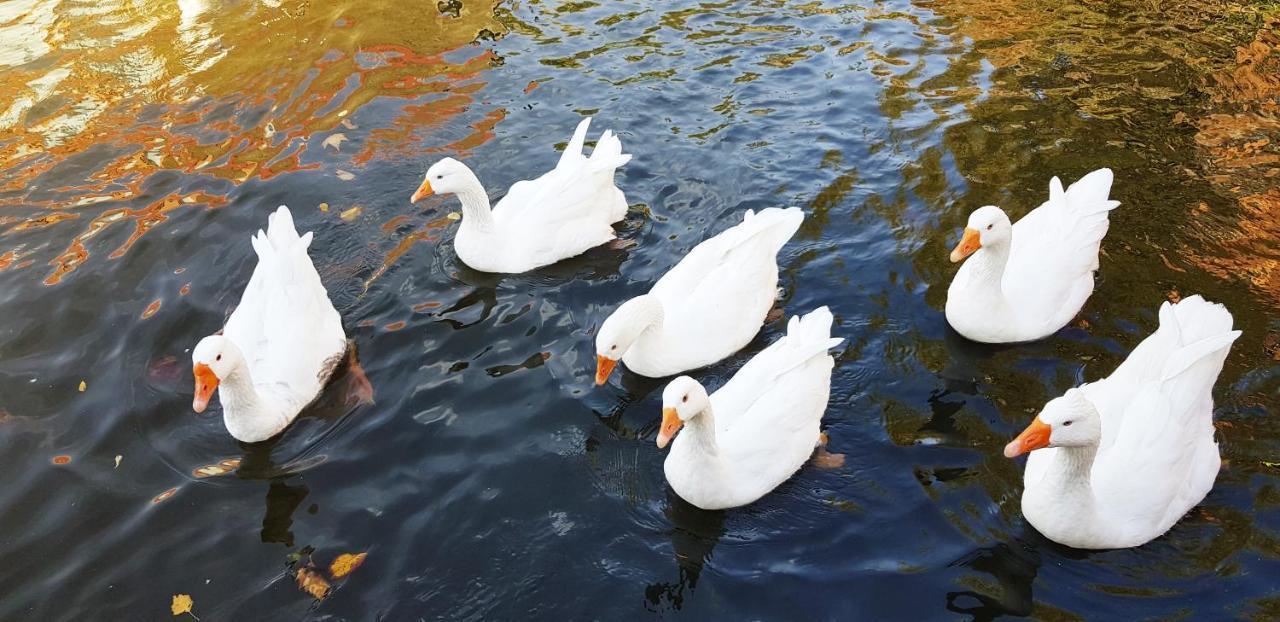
x: 227, y: 95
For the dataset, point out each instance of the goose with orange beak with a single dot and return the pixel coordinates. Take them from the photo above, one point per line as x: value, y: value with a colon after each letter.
x: 732, y: 447
x: 280, y: 345
x: 560, y: 214
x: 1117, y: 462
x: 1024, y: 281
x: 711, y: 304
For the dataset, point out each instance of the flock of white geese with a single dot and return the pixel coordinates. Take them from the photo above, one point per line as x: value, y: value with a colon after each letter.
x: 1113, y: 463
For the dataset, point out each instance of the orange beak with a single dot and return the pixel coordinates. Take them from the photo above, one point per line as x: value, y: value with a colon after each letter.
x: 604, y: 367
x: 670, y: 425
x: 206, y: 382
x: 971, y: 242
x: 423, y: 190
x: 1036, y: 436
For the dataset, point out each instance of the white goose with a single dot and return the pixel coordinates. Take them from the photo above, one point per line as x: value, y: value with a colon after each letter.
x: 280, y: 345
x: 710, y: 305
x: 759, y: 428
x: 1027, y: 280
x: 1120, y: 460
x: 559, y: 215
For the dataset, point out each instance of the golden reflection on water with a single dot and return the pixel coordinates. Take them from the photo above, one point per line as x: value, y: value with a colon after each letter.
x: 227, y: 91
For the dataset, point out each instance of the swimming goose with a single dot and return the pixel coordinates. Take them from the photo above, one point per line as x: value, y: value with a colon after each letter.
x: 1024, y: 281
x: 756, y: 431
x: 710, y: 305
x: 280, y: 345
x: 1115, y: 463
x: 559, y: 215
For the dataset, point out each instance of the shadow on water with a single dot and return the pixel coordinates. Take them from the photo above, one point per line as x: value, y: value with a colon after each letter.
x: 694, y: 535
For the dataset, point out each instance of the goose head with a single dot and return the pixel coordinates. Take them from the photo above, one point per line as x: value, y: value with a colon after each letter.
x: 621, y: 329
x: 213, y: 360
x: 1067, y: 421
x: 987, y: 226
x: 448, y: 176
x: 682, y: 400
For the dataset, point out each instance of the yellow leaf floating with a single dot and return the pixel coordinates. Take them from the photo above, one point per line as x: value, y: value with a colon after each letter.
x: 83, y: 386
x: 345, y: 564
x: 313, y: 583
x: 350, y: 215
x: 324, y: 207
x: 182, y: 603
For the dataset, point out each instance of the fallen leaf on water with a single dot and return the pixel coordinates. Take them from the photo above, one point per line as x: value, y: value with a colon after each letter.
x: 118, y: 459
x: 344, y: 175
x: 324, y: 207
x: 83, y: 386
x: 453, y: 216
x: 182, y: 603
x: 1174, y: 296
x: 62, y: 460
x: 164, y: 495
x: 269, y: 130
x: 348, y: 124
x: 350, y: 214
x: 334, y: 140
x: 313, y: 583
x: 345, y: 564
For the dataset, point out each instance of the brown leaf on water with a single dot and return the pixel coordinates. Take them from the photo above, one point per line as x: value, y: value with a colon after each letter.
x: 165, y: 495
x: 351, y: 214
x: 824, y: 459
x: 345, y: 564
x: 61, y: 460
x: 313, y: 583
x: 1174, y: 296
x: 181, y: 604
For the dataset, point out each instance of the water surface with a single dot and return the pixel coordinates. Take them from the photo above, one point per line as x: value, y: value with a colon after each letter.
x: 142, y: 143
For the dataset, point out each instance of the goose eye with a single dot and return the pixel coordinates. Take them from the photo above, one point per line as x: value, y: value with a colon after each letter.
x: 684, y: 399
x: 613, y: 347
x: 442, y: 177
x: 989, y: 227
x: 1066, y: 423
x: 218, y: 358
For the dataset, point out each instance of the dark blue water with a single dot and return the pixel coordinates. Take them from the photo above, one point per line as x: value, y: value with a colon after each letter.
x: 489, y: 479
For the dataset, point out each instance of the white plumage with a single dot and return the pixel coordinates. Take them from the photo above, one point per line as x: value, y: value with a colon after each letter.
x: 1025, y: 281
x: 708, y: 306
x: 1138, y: 452
x: 759, y: 428
x: 280, y: 345
x: 565, y: 212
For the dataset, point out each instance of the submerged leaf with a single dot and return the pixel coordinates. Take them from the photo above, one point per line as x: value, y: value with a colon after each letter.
x: 313, y: 583
x: 345, y: 564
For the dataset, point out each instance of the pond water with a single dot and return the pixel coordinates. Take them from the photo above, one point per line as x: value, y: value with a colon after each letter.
x: 142, y: 142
